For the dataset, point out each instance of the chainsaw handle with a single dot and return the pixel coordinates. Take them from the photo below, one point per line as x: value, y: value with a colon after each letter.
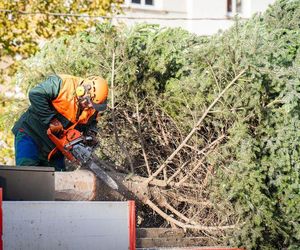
x: 53, y: 152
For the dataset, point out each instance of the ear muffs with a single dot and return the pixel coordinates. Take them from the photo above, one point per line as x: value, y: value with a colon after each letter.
x: 80, y: 91
x: 83, y: 95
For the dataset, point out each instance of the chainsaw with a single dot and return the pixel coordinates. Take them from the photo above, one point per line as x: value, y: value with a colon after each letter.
x: 75, y: 147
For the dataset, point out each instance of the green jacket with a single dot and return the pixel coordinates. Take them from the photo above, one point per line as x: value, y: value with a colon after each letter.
x: 35, y: 121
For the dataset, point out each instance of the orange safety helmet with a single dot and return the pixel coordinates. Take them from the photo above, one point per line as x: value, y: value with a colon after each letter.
x: 96, y: 88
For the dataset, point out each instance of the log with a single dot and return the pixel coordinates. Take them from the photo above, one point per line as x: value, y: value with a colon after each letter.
x: 82, y: 184
x: 75, y: 185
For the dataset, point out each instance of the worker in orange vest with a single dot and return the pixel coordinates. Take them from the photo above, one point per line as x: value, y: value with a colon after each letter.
x: 59, y: 102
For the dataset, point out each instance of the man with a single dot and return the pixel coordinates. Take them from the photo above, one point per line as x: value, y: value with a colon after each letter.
x: 59, y: 102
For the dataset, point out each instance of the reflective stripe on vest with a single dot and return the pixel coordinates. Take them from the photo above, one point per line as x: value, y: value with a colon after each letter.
x: 66, y: 103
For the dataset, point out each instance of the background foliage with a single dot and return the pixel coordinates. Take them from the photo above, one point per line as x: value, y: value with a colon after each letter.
x: 164, y: 81
x: 22, y: 33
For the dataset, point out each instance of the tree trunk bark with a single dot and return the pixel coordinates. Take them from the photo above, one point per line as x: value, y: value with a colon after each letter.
x: 84, y: 185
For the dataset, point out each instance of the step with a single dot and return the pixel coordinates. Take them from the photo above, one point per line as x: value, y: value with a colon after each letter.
x: 159, y: 233
x: 171, y: 239
x: 168, y: 242
x: 164, y: 237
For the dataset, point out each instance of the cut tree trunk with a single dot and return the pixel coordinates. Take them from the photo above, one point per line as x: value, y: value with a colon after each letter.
x: 84, y: 185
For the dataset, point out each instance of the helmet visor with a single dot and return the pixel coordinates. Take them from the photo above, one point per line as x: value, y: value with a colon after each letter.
x: 100, y: 107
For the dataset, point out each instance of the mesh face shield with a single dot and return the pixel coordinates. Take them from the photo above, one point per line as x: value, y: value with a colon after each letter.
x: 100, y: 107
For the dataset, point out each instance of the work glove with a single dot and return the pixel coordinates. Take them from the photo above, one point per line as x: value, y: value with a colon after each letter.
x: 55, y: 126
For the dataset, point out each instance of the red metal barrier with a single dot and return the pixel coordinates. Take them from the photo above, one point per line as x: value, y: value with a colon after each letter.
x: 1, y: 221
x: 132, y: 226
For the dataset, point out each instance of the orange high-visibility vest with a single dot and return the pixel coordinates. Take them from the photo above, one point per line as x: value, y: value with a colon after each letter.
x: 66, y: 102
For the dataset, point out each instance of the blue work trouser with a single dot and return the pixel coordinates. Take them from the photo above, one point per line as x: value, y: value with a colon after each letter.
x: 27, y: 153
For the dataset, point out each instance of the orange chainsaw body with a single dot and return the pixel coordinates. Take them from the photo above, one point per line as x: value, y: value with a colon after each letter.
x: 62, y: 142
x: 66, y: 141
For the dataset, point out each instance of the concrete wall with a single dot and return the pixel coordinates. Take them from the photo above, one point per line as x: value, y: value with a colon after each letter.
x: 172, y: 5
x: 161, y: 9
x: 260, y: 5
x: 246, y: 9
x: 191, y: 9
x: 207, y: 9
x: 204, y: 8
x: 208, y: 27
